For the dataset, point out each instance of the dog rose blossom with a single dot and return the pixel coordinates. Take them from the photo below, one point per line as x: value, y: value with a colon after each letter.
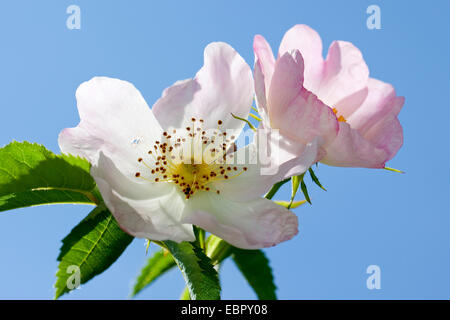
x: 153, y: 186
x: 365, y: 109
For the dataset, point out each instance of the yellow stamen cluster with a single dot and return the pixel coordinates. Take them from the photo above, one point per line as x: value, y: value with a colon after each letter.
x: 339, y: 118
x: 171, y: 159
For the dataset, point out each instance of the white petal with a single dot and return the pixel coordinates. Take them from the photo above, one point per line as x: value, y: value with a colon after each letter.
x: 224, y: 85
x: 251, y: 183
x: 253, y: 224
x: 144, y: 210
x: 115, y: 119
x: 266, y: 164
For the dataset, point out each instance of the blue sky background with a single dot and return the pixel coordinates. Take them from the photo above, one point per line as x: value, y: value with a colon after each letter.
x: 399, y: 222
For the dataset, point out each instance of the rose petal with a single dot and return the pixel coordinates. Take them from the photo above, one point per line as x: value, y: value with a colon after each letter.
x: 375, y: 107
x: 264, y: 58
x: 261, y: 95
x: 286, y: 84
x: 144, y: 210
x: 305, y: 119
x: 254, y: 224
x: 350, y: 149
x: 224, y: 85
x: 308, y: 42
x: 264, y: 167
x: 344, y: 73
x: 115, y: 119
x: 387, y: 133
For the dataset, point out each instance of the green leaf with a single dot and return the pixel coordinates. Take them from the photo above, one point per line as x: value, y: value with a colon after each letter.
x: 199, y: 274
x: 217, y: 250
x: 156, y: 266
x: 92, y: 246
x: 255, y: 267
x: 315, y: 179
x: 305, y: 191
x: 31, y: 175
x: 295, y: 184
x: 275, y: 188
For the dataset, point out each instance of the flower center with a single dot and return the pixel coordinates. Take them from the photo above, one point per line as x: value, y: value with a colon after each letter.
x: 341, y: 117
x: 193, y: 160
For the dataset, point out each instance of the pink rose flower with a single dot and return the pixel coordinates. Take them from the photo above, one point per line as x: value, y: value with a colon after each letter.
x: 304, y: 95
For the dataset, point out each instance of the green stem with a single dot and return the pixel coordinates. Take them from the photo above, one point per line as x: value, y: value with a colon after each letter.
x: 199, y: 237
x: 217, y: 249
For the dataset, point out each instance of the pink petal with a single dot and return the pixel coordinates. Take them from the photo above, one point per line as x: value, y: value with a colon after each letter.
x: 387, y: 133
x: 287, y: 81
x: 261, y: 95
x: 305, y: 118
x: 347, y: 106
x: 350, y: 149
x: 344, y: 73
x: 308, y: 41
x: 224, y: 85
x: 376, y: 119
x: 264, y: 58
x: 253, y: 224
x: 375, y: 107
